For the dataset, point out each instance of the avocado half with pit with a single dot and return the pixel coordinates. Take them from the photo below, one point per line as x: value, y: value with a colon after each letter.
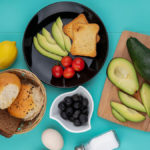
x: 122, y: 74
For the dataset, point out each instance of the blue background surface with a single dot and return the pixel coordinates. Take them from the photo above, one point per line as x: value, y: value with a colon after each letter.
x: 117, y: 15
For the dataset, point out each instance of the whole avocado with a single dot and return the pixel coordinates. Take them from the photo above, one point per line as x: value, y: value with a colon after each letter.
x: 140, y: 56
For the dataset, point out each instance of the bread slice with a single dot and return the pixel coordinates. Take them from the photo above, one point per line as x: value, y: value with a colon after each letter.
x: 68, y: 29
x: 84, y: 43
x: 28, y: 103
x: 8, y: 124
x: 10, y: 85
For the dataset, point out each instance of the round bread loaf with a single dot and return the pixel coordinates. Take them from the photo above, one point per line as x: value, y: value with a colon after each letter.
x: 9, y: 89
x: 28, y: 103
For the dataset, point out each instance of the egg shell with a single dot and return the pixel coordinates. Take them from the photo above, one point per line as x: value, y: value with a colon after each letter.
x: 52, y: 139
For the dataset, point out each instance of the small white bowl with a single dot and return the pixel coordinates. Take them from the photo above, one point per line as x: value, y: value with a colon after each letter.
x: 54, y: 111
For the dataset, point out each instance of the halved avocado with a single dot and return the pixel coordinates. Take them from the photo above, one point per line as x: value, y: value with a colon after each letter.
x: 122, y: 74
x: 58, y: 36
x: 53, y: 48
x: 48, y: 36
x: 131, y: 102
x: 127, y: 113
x: 44, y: 52
x: 118, y: 116
x: 145, y: 96
x: 66, y: 38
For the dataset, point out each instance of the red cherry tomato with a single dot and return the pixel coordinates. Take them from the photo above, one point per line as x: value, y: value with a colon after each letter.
x: 68, y: 73
x: 78, y: 64
x: 57, y: 71
x: 66, y: 61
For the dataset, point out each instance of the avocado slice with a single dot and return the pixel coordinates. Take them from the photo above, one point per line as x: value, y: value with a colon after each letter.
x: 66, y: 38
x: 145, y: 96
x: 127, y: 113
x: 48, y: 36
x: 44, y: 52
x: 131, y: 102
x: 118, y: 116
x: 140, y: 56
x: 58, y: 36
x: 53, y: 48
x: 122, y: 74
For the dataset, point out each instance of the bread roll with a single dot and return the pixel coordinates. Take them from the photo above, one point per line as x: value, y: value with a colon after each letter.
x: 9, y: 89
x: 28, y: 103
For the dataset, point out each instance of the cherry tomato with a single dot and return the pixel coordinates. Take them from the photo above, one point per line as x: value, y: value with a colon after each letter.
x: 68, y: 73
x: 78, y: 64
x: 57, y: 71
x: 66, y: 61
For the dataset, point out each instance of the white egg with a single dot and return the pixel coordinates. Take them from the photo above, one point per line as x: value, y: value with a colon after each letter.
x: 52, y: 139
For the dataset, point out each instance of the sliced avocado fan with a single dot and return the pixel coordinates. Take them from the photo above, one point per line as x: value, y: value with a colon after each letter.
x: 44, y: 52
x: 53, y: 48
x: 127, y: 113
x: 65, y: 37
x: 48, y: 36
x: 131, y: 102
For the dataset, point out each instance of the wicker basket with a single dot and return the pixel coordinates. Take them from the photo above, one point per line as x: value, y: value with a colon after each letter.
x: 27, y: 76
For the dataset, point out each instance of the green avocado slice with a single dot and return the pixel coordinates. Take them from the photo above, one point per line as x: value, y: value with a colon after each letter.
x: 127, y: 113
x: 145, y: 96
x: 53, y: 48
x: 58, y: 36
x: 122, y: 74
x: 44, y: 52
x: 66, y: 38
x: 131, y: 102
x: 48, y: 36
x: 118, y: 116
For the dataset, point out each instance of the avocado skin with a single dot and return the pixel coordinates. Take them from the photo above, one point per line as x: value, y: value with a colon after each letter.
x: 145, y: 89
x: 127, y: 113
x: 140, y: 56
x: 44, y: 52
x: 118, y: 116
x: 131, y: 102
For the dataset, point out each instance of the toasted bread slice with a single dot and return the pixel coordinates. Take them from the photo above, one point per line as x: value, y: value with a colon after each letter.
x: 84, y: 43
x: 68, y: 28
x: 79, y: 19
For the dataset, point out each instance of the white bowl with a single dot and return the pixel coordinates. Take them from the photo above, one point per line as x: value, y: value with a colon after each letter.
x: 54, y: 111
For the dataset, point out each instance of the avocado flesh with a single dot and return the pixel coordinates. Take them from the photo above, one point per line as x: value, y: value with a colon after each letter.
x: 118, y: 116
x: 131, y: 102
x: 122, y: 74
x: 48, y: 36
x: 127, y: 113
x: 58, y: 36
x: 145, y: 96
x: 66, y: 38
x: 140, y: 56
x: 53, y: 48
x: 44, y: 52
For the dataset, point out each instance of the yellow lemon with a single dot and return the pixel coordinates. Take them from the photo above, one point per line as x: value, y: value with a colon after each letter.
x: 8, y: 54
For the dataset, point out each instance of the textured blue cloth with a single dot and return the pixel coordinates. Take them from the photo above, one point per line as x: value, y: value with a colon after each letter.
x: 117, y: 15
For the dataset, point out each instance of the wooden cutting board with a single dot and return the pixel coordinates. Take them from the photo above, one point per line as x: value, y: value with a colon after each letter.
x: 110, y: 92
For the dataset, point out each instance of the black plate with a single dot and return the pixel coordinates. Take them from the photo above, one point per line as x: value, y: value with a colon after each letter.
x: 41, y: 65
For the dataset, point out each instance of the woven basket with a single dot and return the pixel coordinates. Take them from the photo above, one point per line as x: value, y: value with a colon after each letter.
x: 27, y: 76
